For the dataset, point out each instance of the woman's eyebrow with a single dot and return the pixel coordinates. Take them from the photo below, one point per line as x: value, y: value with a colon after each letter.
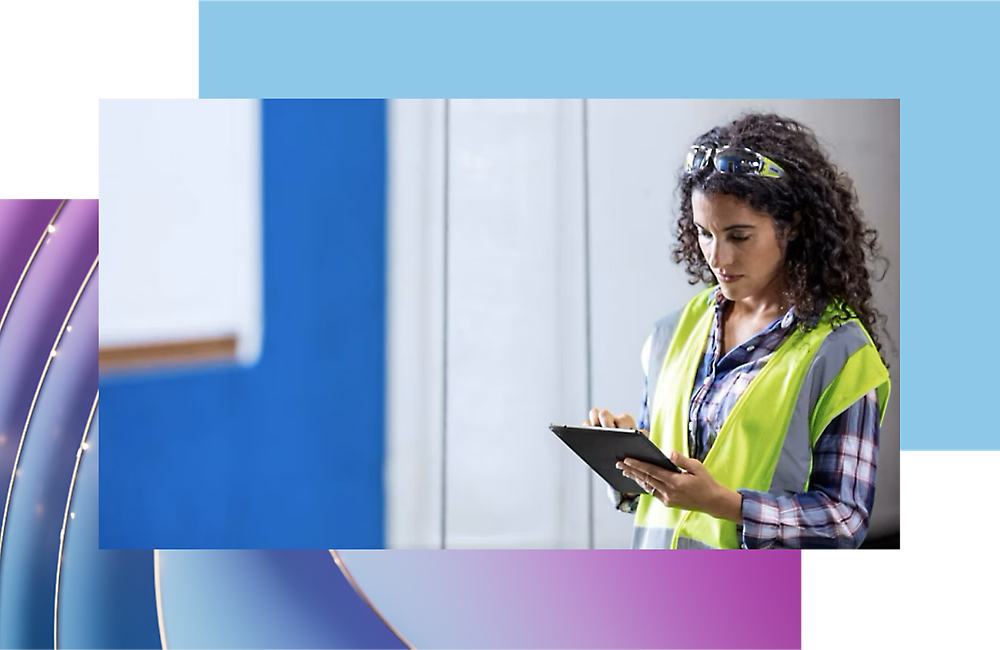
x: 727, y: 228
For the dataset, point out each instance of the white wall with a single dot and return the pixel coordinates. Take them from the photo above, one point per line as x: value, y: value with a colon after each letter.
x: 516, y: 281
x: 515, y: 319
x: 181, y: 222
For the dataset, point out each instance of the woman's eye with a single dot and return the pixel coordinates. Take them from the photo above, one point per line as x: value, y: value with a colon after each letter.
x: 702, y: 233
x: 739, y: 238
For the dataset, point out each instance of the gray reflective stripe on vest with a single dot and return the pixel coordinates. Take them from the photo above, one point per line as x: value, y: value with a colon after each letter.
x: 643, y: 537
x: 663, y: 333
x: 792, y: 470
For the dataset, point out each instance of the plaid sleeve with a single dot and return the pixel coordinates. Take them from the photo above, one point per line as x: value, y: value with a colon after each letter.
x: 621, y: 501
x: 834, y: 512
x: 644, y: 411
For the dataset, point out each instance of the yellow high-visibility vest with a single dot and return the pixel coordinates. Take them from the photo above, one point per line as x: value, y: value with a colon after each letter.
x: 766, y: 442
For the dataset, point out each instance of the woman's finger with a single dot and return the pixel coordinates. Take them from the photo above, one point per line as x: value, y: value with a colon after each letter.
x: 633, y: 471
x: 664, y: 476
x: 594, y: 418
x: 607, y: 419
x: 662, y: 480
x: 625, y: 421
x: 639, y: 477
x: 641, y: 466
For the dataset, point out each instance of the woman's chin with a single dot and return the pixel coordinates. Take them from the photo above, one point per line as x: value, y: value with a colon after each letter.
x: 729, y: 293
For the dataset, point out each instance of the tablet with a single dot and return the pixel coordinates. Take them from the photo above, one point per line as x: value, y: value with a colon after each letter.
x: 601, y: 448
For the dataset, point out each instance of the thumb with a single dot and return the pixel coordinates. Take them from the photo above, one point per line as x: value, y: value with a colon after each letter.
x: 687, y: 464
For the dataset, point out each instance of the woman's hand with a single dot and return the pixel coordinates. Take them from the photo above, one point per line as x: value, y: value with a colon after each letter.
x: 604, y: 418
x: 695, y: 489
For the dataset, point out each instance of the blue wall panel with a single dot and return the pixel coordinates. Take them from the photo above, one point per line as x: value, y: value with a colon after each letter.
x: 289, y: 453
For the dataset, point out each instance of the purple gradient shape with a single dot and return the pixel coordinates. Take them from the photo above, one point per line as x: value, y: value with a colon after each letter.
x: 107, y: 599
x: 22, y: 222
x: 36, y: 317
x: 585, y: 599
x: 30, y: 554
x: 264, y: 599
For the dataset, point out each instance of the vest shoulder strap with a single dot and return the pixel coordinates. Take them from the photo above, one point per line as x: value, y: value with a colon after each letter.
x: 846, y: 367
x: 654, y: 352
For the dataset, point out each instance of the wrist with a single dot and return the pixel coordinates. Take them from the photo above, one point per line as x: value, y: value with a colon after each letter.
x: 728, y: 505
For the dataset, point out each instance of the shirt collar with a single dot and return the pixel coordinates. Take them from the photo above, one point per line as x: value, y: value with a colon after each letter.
x: 790, y: 318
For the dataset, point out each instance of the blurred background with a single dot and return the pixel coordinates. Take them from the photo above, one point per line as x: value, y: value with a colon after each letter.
x: 348, y: 323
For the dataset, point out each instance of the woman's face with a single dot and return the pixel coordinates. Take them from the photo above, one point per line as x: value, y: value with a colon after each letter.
x: 740, y: 245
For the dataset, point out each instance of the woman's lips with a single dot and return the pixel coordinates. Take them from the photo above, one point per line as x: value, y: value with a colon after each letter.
x: 727, y: 278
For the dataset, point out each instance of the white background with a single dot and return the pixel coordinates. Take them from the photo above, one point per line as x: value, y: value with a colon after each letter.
x: 57, y: 59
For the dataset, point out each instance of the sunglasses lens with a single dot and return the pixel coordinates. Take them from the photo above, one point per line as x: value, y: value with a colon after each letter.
x: 737, y: 161
x: 697, y: 158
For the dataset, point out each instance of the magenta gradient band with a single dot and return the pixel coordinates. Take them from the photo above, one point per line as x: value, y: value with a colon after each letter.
x: 585, y: 599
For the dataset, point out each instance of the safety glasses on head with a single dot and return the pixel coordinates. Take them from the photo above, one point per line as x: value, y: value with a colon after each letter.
x: 732, y: 160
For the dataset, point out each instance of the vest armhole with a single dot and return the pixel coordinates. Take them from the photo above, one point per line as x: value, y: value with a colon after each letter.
x: 859, y: 375
x: 884, y: 390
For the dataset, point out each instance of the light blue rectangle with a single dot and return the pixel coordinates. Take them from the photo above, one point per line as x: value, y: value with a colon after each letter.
x: 939, y: 58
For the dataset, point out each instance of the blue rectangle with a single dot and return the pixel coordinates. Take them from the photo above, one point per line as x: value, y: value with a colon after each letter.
x: 288, y: 453
x: 939, y: 58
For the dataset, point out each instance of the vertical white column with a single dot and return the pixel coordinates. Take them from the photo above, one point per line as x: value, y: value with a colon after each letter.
x: 415, y: 319
x: 516, y: 324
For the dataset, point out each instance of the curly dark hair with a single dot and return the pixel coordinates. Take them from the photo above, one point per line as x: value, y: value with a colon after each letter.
x: 829, y: 256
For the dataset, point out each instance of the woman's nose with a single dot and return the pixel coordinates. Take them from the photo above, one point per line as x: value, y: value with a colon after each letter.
x: 723, y: 257
x: 719, y: 256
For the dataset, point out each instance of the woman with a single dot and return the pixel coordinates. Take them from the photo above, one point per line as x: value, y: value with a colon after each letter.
x: 767, y: 389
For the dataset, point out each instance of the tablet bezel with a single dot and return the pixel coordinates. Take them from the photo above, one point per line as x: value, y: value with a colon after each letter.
x: 602, y: 464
